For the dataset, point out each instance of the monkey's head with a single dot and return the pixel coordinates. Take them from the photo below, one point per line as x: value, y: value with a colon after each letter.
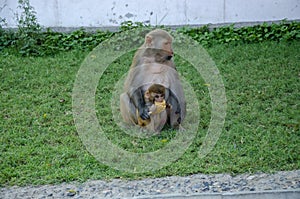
x: 156, y: 92
x: 160, y: 39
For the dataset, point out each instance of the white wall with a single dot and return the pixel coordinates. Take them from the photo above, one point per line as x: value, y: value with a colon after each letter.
x: 103, y: 13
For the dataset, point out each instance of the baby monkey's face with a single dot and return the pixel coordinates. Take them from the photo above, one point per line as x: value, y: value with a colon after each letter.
x: 158, y: 97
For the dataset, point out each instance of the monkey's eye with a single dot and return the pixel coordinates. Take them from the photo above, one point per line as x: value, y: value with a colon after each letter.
x: 158, y: 96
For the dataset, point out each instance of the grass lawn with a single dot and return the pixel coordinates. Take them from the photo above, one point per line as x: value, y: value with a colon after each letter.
x: 40, y: 144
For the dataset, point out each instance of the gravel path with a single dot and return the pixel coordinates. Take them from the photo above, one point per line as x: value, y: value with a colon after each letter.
x: 198, y: 183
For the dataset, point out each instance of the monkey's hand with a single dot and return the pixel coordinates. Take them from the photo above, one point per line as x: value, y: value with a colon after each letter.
x: 144, y: 113
x: 139, y: 102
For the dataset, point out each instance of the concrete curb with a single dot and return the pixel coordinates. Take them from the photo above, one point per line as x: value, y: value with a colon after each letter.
x: 272, y: 194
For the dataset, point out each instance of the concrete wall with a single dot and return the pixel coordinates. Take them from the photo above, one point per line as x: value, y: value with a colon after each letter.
x: 106, y: 13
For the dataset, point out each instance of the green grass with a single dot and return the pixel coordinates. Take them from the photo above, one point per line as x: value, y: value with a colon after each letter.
x: 40, y: 144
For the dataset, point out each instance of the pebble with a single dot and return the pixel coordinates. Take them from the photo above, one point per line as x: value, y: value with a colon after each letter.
x: 188, y: 185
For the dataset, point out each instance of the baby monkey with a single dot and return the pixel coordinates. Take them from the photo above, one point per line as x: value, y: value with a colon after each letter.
x: 155, y: 101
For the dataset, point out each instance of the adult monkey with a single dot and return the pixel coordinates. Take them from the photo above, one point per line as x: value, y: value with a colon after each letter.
x: 153, y: 64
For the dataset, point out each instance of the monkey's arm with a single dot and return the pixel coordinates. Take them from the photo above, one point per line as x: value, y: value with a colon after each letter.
x: 139, y: 102
x: 177, y: 113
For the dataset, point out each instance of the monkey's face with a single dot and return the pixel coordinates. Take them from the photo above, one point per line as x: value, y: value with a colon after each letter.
x: 157, y: 97
x: 166, y: 46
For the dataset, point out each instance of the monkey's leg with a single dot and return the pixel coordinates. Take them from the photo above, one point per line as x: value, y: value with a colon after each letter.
x: 128, y: 110
x: 157, y: 122
x: 162, y: 120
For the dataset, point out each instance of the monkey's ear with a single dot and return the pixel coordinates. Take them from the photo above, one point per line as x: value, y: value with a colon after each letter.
x: 148, y: 41
x: 147, y: 94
